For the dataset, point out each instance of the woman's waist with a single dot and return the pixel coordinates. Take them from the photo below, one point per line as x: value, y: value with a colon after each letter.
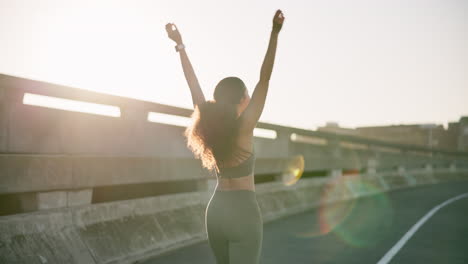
x: 240, y: 183
x: 239, y: 196
x: 234, y: 202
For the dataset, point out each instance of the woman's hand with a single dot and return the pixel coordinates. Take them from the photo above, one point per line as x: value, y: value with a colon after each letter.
x: 278, y: 20
x: 173, y: 33
x: 192, y: 81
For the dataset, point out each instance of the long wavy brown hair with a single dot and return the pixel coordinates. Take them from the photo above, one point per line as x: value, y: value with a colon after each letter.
x: 215, y: 127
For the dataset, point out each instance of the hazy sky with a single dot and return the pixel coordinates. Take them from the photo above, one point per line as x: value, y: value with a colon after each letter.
x: 358, y: 63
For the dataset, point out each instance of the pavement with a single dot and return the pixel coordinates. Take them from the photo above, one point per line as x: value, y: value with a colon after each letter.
x: 361, y: 231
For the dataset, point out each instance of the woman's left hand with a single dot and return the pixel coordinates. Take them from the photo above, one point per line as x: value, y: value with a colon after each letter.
x: 173, y: 33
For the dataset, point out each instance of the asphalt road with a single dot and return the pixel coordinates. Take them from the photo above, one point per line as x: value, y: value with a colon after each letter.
x: 362, y: 231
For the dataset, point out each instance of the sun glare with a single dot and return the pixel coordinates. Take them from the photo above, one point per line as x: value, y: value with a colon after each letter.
x: 70, y: 105
x: 183, y: 121
x: 265, y: 133
x: 175, y: 120
x: 308, y: 139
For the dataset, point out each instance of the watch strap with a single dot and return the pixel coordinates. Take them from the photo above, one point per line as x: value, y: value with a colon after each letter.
x: 179, y: 47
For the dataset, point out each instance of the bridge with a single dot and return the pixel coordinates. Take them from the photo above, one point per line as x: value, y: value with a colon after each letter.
x: 120, y: 186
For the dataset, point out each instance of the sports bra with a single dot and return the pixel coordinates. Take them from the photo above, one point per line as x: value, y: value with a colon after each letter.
x: 245, y: 168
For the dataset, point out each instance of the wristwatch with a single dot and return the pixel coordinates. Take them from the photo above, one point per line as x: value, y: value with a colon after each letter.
x: 179, y: 47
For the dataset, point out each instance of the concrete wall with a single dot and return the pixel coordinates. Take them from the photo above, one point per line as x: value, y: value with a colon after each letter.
x: 59, y: 149
x: 126, y: 231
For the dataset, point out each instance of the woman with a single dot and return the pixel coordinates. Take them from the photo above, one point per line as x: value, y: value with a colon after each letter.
x: 221, y: 135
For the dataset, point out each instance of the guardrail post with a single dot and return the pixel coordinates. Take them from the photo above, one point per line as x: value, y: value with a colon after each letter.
x: 334, y: 145
x: 429, y: 171
x: 428, y: 168
x: 371, y: 166
x: 49, y: 200
x: 401, y: 169
x: 283, y: 138
x: 453, y: 167
x: 336, y: 173
x: 58, y: 199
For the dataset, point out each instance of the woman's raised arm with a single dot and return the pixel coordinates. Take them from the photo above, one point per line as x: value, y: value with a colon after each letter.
x: 192, y: 81
x: 252, y: 113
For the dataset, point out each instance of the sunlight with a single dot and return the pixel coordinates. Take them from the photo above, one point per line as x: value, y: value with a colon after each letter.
x: 70, y: 105
x: 168, y: 119
x: 183, y: 121
x: 265, y: 133
x: 308, y: 139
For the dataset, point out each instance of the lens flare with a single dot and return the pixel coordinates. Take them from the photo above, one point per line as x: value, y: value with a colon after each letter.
x: 370, y: 220
x: 360, y: 222
x: 335, y: 207
x: 293, y: 171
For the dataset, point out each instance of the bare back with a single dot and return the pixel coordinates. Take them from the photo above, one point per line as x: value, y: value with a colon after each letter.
x: 244, y: 141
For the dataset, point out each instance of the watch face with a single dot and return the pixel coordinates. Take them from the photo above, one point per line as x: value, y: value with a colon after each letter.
x: 179, y: 47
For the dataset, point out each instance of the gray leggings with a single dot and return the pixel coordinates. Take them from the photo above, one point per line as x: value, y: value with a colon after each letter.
x: 234, y: 226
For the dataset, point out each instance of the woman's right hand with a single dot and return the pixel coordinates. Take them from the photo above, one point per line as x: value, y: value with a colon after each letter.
x: 173, y: 33
x: 278, y: 20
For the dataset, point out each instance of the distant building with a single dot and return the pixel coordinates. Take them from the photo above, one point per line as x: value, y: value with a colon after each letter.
x: 463, y: 134
x: 450, y: 140
x: 333, y: 127
x: 423, y: 135
x: 455, y: 137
